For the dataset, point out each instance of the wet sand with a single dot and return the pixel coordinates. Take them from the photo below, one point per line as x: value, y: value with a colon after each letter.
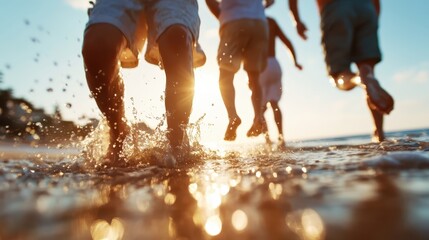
x: 365, y: 191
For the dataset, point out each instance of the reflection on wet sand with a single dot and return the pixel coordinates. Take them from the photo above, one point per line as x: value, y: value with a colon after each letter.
x: 381, y: 216
x: 335, y: 192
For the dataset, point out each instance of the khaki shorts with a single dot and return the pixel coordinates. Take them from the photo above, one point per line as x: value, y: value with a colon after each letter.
x: 141, y: 20
x: 244, y: 40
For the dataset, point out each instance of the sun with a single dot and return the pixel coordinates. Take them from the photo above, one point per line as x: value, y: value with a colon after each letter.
x: 207, y: 92
x: 208, y: 103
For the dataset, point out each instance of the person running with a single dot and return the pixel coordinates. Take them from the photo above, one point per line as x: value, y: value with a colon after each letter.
x: 349, y: 35
x: 114, y: 36
x: 271, y: 78
x: 243, y: 39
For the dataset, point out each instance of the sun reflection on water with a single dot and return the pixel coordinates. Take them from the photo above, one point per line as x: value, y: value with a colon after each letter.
x: 231, y: 191
x: 275, y: 190
x: 313, y: 224
x: 102, y: 230
x: 307, y: 224
x: 239, y: 220
x: 213, y: 225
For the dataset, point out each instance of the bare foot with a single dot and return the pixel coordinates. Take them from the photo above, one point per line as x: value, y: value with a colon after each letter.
x: 115, y: 155
x: 257, y: 128
x: 169, y: 160
x: 377, y: 97
x: 378, y: 137
x: 176, y: 152
x: 267, y: 138
x: 114, y: 158
x: 281, y: 145
x: 174, y: 156
x: 345, y: 81
x: 231, y: 130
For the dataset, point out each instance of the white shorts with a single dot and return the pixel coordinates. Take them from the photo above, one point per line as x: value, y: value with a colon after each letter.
x: 271, y: 81
x: 139, y: 20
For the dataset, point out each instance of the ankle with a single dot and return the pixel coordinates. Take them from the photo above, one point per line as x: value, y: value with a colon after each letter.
x: 234, y: 119
x: 365, y: 70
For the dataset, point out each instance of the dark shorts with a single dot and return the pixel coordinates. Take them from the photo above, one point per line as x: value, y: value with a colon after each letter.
x: 349, y: 33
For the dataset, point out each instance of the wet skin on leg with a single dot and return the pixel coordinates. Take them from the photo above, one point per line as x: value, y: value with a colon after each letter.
x: 378, y: 135
x: 259, y: 125
x: 279, y: 122
x: 227, y: 90
x: 101, y: 49
x: 378, y: 97
x: 385, y: 101
x: 175, y: 46
x: 266, y: 135
x: 277, y: 116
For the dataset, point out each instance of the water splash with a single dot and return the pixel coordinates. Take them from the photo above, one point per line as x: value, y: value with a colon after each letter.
x: 305, y: 192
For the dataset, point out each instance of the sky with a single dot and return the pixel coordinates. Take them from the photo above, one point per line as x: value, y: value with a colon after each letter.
x: 41, y: 61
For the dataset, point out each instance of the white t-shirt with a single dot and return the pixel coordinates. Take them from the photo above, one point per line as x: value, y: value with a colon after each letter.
x: 241, y: 9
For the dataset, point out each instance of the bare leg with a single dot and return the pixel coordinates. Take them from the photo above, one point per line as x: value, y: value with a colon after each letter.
x: 259, y: 125
x: 102, y: 46
x: 379, y: 99
x: 345, y: 80
x: 175, y: 46
x: 279, y: 122
x: 378, y: 135
x: 256, y: 95
x: 226, y: 86
x: 266, y: 135
x: 366, y: 71
x: 277, y: 116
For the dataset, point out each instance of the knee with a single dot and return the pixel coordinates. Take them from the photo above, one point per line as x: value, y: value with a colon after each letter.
x: 177, y: 35
x: 102, y: 45
x: 226, y: 77
x: 253, y: 80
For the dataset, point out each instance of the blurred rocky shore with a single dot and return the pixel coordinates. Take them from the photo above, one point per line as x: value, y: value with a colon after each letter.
x: 21, y: 122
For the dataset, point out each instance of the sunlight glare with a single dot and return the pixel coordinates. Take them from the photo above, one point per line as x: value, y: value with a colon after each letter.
x: 192, y: 188
x: 312, y: 224
x: 307, y: 224
x: 101, y: 229
x: 213, y: 225
x: 213, y: 199
x: 169, y: 199
x: 275, y: 190
x: 356, y: 80
x: 207, y: 93
x: 304, y: 169
x: 239, y: 220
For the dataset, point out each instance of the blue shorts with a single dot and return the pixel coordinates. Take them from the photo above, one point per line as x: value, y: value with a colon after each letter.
x: 139, y: 20
x: 349, y: 33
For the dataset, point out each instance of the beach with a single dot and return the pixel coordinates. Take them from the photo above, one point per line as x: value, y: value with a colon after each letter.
x: 337, y: 188
x: 65, y: 74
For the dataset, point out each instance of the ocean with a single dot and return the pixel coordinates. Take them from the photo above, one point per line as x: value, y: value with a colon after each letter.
x: 334, y: 188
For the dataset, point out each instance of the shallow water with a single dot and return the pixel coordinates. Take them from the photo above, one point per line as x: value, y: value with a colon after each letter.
x: 341, y: 188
